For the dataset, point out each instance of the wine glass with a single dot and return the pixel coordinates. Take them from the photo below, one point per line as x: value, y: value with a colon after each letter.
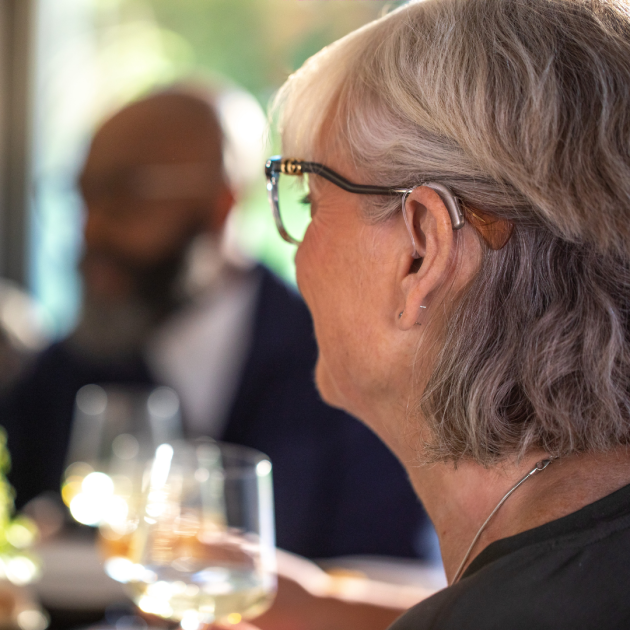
x: 115, y: 431
x: 204, y: 547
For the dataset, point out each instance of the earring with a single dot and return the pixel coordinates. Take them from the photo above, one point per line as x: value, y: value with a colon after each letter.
x: 401, y: 312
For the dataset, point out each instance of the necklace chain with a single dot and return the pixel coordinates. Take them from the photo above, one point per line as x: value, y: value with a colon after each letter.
x: 539, y: 467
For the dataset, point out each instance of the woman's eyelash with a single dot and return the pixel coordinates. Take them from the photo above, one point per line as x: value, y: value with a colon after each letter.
x: 306, y: 200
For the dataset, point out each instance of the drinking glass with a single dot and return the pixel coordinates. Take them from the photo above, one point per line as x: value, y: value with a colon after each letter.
x: 204, y: 546
x: 115, y: 432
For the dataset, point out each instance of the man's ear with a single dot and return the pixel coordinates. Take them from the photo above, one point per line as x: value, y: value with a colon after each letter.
x: 431, y: 232
x: 221, y: 206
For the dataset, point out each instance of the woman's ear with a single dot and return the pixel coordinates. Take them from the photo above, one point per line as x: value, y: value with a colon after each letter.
x: 430, y: 229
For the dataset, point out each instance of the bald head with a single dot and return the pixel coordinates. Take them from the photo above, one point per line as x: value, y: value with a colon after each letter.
x: 152, y: 181
x: 166, y: 128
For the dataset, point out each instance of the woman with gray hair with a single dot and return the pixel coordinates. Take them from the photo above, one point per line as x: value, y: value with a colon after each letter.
x: 483, y: 331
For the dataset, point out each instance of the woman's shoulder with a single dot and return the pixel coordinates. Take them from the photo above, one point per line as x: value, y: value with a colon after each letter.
x: 571, y: 573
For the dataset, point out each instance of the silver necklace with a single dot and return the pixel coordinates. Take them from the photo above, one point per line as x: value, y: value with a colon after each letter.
x: 539, y: 467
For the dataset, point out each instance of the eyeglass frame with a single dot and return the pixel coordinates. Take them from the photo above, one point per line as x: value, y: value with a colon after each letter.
x: 277, y: 165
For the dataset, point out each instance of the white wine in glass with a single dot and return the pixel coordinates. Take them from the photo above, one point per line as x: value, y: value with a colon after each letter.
x: 204, y: 548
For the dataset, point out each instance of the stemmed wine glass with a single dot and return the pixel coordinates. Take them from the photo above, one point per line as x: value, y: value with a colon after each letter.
x: 115, y: 431
x: 203, y: 549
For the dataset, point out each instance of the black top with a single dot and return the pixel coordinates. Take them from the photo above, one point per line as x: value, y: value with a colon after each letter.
x: 572, y: 573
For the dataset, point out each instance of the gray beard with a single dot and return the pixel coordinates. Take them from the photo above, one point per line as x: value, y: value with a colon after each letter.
x: 110, y: 332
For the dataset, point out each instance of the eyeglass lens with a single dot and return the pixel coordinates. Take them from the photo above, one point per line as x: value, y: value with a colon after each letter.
x: 294, y: 203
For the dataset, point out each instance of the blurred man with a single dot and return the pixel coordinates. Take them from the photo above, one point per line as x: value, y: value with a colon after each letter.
x: 163, y: 305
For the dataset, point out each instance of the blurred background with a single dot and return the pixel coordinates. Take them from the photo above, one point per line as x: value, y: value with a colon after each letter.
x: 235, y: 348
x: 67, y: 64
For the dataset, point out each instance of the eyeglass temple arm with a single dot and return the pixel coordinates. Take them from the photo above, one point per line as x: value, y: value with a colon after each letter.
x: 298, y: 167
x: 290, y: 166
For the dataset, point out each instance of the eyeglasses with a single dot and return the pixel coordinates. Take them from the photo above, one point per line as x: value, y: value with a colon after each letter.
x: 293, y: 220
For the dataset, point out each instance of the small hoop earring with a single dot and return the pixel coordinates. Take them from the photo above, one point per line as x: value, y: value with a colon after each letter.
x: 418, y: 323
x: 401, y: 312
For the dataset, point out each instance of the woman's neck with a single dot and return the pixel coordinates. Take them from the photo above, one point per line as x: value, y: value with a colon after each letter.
x: 459, y: 498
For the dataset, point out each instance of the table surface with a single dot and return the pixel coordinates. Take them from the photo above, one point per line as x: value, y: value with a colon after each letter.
x: 74, y: 578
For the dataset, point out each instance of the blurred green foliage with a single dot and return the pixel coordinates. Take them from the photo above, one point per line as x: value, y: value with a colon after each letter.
x: 257, y: 43
x: 6, y: 491
x: 16, y: 532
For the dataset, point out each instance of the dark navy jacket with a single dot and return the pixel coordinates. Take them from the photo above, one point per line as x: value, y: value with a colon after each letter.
x: 338, y: 490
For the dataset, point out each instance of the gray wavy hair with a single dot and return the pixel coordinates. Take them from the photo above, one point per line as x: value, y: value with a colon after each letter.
x: 521, y: 107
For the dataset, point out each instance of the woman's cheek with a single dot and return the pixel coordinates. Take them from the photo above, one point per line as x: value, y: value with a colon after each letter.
x: 301, y: 272
x: 311, y: 267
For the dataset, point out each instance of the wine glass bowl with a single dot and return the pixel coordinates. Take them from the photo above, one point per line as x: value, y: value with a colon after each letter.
x: 203, y: 549
x: 115, y: 431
